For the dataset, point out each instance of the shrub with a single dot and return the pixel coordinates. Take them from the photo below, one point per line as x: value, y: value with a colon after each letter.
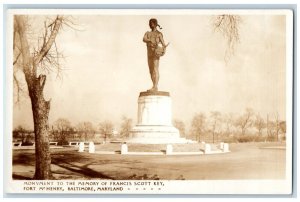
x: 271, y: 138
x: 259, y: 138
x: 245, y: 138
x: 27, y: 143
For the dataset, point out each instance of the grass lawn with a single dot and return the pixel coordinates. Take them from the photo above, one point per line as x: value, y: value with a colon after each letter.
x: 245, y: 161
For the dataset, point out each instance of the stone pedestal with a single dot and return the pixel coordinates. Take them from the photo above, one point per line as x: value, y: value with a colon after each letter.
x: 91, y: 147
x: 169, y: 149
x: 81, y: 147
x: 207, y: 148
x: 124, y: 149
x: 154, y: 123
x: 221, y: 145
x: 226, y: 147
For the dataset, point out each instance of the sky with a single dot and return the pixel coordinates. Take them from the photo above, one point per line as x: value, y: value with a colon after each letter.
x: 105, y: 68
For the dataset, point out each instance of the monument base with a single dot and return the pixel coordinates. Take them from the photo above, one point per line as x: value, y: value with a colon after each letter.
x: 154, y: 125
x: 156, y: 134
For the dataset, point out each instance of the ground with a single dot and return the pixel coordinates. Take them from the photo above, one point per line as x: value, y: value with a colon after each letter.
x: 245, y: 161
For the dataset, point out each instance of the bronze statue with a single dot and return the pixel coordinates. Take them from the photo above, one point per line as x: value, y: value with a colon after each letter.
x: 155, y: 49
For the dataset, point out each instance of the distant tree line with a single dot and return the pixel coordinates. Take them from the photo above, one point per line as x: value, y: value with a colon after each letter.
x: 213, y: 127
x: 21, y: 134
x: 246, y: 127
x: 62, y: 131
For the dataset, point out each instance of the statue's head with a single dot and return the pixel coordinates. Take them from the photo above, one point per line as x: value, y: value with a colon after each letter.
x: 153, y: 23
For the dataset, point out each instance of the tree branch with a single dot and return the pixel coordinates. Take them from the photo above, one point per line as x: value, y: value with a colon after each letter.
x: 26, y: 58
x: 228, y: 25
x: 47, y: 45
x: 42, y: 80
x: 16, y: 60
x: 18, y: 87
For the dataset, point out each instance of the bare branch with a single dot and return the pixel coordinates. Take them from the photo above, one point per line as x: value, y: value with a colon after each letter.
x: 45, y: 35
x: 16, y: 60
x: 70, y: 22
x: 26, y: 58
x: 57, y: 61
x: 42, y: 80
x: 46, y: 47
x: 18, y: 87
x: 14, y: 37
x: 228, y: 25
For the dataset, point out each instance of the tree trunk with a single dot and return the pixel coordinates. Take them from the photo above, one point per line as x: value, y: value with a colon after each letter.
x: 243, y: 131
x: 40, y: 109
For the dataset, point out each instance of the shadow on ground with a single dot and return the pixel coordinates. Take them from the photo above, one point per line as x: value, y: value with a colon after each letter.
x: 20, y: 177
x: 80, y: 170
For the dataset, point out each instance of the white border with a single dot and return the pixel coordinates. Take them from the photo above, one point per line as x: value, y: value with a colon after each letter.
x: 173, y: 187
x: 149, y: 11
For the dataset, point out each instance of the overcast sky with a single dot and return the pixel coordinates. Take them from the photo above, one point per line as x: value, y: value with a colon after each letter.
x: 106, y: 68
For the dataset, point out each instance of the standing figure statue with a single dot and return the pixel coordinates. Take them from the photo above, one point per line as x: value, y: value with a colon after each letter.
x: 155, y: 49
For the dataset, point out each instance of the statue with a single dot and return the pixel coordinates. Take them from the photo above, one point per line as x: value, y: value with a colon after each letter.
x: 155, y: 49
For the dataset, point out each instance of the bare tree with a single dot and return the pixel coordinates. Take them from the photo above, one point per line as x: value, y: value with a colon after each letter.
x: 85, y: 130
x: 245, y: 120
x: 63, y: 126
x: 274, y: 127
x: 215, y: 122
x: 106, y: 128
x: 277, y: 125
x: 180, y: 126
x: 259, y: 124
x: 126, y: 126
x: 35, y: 62
x: 282, y: 126
x: 228, y: 120
x: 271, y: 128
x: 229, y: 26
x: 198, y: 126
